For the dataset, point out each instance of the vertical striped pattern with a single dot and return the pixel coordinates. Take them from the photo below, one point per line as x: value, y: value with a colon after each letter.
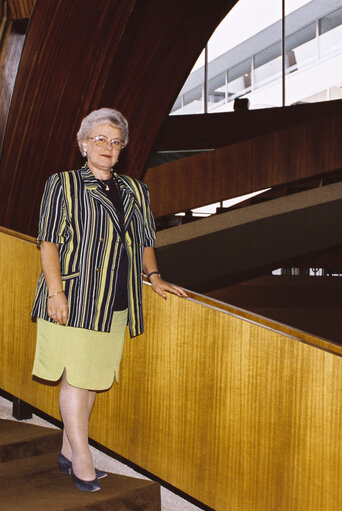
x: 76, y: 214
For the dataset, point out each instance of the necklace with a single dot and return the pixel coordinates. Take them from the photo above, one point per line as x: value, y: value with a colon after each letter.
x: 106, y: 185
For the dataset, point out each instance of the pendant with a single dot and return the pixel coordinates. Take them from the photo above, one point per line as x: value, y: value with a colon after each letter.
x: 107, y: 188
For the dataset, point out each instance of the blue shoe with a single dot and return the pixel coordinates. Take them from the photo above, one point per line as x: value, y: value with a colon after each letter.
x: 65, y: 467
x: 89, y: 486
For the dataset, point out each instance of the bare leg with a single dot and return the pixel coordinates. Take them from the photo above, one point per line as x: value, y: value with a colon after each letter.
x: 76, y: 405
x: 66, y: 447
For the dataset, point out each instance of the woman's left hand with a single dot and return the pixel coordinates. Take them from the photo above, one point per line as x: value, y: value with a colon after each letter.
x: 159, y: 286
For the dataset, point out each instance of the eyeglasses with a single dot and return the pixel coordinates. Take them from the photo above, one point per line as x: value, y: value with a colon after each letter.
x: 102, y: 141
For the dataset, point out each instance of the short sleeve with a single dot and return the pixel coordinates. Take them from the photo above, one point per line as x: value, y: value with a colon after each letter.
x: 150, y: 228
x: 52, y: 218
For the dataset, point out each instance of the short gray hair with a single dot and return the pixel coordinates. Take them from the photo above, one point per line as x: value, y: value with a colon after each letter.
x: 102, y: 116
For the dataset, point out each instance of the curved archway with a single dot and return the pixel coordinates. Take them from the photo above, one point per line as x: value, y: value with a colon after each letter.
x: 78, y: 57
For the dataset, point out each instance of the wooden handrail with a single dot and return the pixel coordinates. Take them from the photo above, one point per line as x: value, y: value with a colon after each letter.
x: 235, y: 410
x: 271, y: 324
x: 232, y: 310
x: 18, y: 235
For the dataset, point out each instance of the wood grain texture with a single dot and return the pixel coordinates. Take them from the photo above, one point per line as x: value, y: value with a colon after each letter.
x: 10, y: 53
x: 20, y: 9
x: 223, y: 405
x: 308, y: 303
x: 208, y: 131
x: 305, y: 150
x: 83, y: 55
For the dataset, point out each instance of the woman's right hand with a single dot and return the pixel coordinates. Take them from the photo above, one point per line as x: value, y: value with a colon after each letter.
x: 58, y: 308
x: 57, y: 304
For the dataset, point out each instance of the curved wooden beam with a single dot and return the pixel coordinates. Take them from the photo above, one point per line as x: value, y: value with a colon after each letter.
x: 209, y: 131
x: 239, y: 245
x: 302, y: 151
x: 79, y: 56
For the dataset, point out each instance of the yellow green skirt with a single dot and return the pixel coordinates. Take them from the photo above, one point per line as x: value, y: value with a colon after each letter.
x: 91, y: 358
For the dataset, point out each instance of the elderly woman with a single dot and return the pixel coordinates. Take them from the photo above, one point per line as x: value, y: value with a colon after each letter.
x: 96, y: 236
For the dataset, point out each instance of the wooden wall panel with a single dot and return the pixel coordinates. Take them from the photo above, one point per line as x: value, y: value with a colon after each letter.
x: 308, y: 303
x: 85, y: 54
x: 306, y: 150
x: 144, y: 89
x: 237, y: 411
x: 55, y: 81
x: 20, y: 9
x: 208, y: 131
x: 11, y: 48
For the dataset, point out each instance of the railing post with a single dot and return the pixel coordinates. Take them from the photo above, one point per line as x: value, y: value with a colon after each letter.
x: 21, y: 410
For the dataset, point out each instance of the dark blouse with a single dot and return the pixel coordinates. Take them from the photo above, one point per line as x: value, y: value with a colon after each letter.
x: 114, y: 195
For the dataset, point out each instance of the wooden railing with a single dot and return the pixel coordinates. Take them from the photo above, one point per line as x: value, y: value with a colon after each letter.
x: 237, y: 411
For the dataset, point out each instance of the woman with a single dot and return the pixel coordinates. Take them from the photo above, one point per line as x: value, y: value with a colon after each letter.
x: 96, y: 236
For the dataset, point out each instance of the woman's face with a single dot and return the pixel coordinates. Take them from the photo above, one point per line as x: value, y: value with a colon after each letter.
x: 101, y: 159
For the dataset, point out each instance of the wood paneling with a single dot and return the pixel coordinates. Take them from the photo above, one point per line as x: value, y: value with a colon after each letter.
x: 328, y: 260
x: 20, y: 9
x: 308, y: 303
x: 82, y: 55
x: 305, y: 150
x: 11, y: 48
x: 54, y: 83
x: 208, y: 131
x: 235, y: 410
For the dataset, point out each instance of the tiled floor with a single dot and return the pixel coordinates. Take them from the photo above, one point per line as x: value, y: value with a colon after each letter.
x: 170, y: 501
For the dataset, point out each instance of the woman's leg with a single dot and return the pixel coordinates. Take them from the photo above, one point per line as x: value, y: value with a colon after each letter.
x: 76, y: 405
x: 66, y: 447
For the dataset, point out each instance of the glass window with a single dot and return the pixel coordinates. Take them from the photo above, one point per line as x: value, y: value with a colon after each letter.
x: 267, y: 65
x: 193, y: 100
x: 330, y: 32
x: 239, y: 79
x: 301, y: 48
x: 217, y: 91
x: 330, y: 21
x: 245, y: 57
x: 190, y: 99
x: 314, y: 54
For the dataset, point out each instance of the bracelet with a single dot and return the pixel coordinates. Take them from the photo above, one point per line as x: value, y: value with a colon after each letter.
x: 55, y: 294
x: 152, y: 273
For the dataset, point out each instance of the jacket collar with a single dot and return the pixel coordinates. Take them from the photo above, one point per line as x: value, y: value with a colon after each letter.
x: 94, y: 188
x: 92, y: 183
x: 88, y: 177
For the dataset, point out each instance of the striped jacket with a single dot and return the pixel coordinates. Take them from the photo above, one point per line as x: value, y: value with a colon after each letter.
x: 76, y: 214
